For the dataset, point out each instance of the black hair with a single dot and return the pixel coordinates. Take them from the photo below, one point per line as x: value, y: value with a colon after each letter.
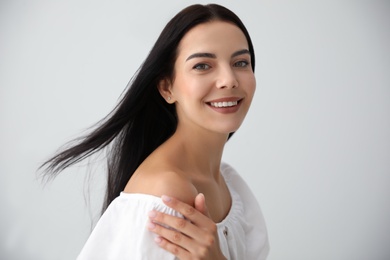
x: 142, y: 120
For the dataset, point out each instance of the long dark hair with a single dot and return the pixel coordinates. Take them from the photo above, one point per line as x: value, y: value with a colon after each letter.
x: 142, y: 120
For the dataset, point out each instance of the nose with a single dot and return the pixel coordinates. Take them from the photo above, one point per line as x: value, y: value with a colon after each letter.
x: 226, y: 78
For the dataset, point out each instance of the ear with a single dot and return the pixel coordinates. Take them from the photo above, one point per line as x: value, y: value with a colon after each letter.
x: 165, y: 89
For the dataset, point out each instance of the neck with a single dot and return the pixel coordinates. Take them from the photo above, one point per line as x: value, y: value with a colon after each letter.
x: 199, y: 150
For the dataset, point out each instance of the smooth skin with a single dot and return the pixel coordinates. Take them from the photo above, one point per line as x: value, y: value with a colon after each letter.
x: 213, y: 65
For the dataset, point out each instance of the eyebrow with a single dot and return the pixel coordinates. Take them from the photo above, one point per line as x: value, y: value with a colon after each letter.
x: 213, y: 56
x: 240, y: 52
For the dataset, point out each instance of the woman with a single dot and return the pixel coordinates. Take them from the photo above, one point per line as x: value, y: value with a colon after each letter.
x: 166, y: 139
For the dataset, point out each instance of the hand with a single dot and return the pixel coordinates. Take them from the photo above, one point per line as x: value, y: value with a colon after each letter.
x: 194, y: 237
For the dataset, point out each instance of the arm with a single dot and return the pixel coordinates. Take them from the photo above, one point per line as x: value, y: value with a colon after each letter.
x: 194, y: 237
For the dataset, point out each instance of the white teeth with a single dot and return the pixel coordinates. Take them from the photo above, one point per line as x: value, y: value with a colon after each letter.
x: 223, y: 104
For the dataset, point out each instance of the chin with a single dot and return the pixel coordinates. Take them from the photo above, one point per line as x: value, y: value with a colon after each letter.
x: 229, y: 130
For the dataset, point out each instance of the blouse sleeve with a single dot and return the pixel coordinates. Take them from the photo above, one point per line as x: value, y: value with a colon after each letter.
x: 121, y: 232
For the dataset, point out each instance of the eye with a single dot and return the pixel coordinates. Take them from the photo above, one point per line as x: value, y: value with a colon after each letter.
x: 241, y: 64
x: 201, y: 66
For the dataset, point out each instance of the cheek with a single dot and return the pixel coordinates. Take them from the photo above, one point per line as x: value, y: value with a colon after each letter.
x: 192, y: 88
x: 250, y: 84
x: 254, y: 85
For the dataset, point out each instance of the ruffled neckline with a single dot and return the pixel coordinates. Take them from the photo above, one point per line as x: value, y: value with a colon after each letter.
x: 236, y: 208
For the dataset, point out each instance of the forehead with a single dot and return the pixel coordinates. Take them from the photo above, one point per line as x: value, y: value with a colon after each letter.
x: 216, y: 37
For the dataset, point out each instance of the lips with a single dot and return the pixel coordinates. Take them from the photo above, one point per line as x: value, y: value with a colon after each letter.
x: 224, y: 104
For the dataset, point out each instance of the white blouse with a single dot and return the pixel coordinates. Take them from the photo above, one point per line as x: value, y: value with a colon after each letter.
x: 121, y: 232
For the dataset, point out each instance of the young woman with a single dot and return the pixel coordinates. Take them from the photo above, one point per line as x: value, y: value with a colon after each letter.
x: 166, y: 138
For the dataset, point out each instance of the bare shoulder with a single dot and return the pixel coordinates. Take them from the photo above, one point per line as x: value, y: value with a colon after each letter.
x: 158, y: 182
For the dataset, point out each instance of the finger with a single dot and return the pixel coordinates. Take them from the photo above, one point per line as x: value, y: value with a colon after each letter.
x: 176, y: 250
x: 200, y: 204
x: 178, y: 224
x: 170, y: 236
x: 188, y: 212
x: 180, y: 244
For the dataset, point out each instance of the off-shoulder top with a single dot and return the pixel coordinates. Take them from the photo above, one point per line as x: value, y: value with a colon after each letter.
x: 121, y: 232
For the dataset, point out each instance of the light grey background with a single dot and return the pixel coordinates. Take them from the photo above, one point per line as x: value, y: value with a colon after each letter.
x: 315, y: 147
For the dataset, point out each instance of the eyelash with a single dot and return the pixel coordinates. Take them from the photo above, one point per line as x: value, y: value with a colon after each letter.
x: 243, y: 63
x: 238, y: 64
x: 197, y: 66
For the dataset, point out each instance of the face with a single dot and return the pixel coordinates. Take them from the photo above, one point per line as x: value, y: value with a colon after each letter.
x: 214, y: 83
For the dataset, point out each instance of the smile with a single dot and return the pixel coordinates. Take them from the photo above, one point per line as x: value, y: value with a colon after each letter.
x: 224, y: 104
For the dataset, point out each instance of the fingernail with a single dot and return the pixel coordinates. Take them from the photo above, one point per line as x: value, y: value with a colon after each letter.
x: 165, y: 198
x: 151, y: 225
x: 158, y: 240
x: 152, y: 214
